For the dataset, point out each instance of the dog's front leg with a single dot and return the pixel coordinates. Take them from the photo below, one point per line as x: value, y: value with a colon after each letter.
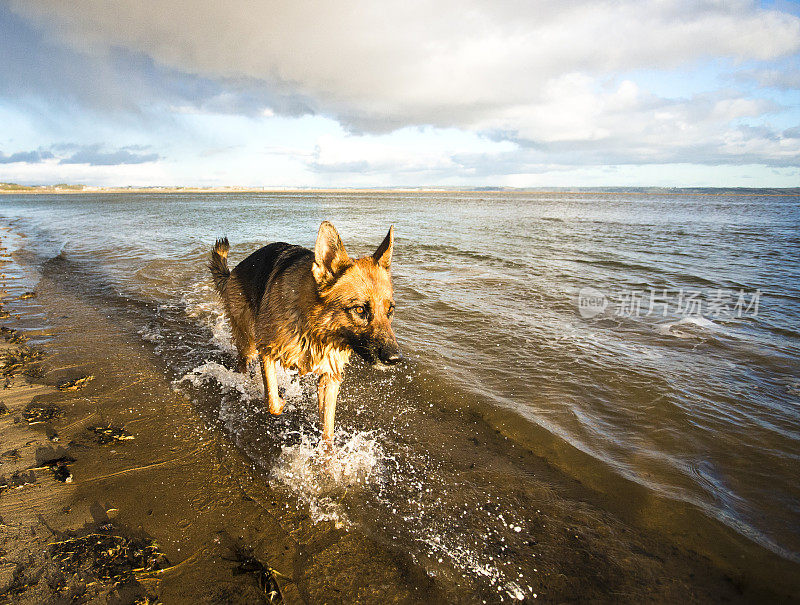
x: 327, y: 392
x: 274, y: 401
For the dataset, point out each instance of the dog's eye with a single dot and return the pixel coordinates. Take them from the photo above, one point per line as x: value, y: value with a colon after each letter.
x: 390, y: 312
x: 359, y: 310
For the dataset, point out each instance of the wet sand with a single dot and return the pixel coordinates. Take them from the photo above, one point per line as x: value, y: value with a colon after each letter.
x: 77, y: 493
x: 119, y: 489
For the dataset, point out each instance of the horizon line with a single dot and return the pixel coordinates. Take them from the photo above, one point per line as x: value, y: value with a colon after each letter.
x: 14, y: 188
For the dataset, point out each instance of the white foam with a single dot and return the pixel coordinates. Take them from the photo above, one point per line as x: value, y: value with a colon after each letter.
x: 221, y: 334
x: 319, y: 477
x: 249, y: 385
x: 289, y: 380
x: 688, y: 327
x: 697, y: 320
x: 151, y: 334
x: 466, y: 558
x: 228, y: 379
x: 202, y: 304
x: 514, y: 591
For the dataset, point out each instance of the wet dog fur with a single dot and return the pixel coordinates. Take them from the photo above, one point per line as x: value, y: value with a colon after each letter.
x: 309, y: 310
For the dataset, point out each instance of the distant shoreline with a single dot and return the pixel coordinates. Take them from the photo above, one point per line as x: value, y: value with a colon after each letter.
x: 9, y: 189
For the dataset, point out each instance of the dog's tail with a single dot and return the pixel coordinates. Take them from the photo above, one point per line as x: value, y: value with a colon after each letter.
x: 219, y: 264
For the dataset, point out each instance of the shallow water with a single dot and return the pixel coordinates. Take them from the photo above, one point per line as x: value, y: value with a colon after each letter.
x: 658, y: 407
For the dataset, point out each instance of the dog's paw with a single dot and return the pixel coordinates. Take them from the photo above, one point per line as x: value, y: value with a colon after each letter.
x: 276, y: 406
x: 326, y: 447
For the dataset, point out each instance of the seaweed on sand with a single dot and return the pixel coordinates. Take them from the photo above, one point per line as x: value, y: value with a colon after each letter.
x: 37, y: 411
x: 265, y: 576
x: 105, y: 434
x: 246, y: 563
x: 19, y: 361
x: 11, y: 455
x: 75, y: 385
x: 17, y: 479
x: 57, y: 459
x: 98, y: 562
x: 13, y: 336
x: 108, y: 556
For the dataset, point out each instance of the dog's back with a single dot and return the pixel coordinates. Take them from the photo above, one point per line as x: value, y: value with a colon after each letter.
x: 243, y: 289
x: 255, y: 273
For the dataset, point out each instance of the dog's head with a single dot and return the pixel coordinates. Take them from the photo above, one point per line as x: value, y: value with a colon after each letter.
x: 357, y: 296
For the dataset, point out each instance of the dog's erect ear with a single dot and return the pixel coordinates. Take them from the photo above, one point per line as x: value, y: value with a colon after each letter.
x: 383, y: 255
x: 330, y: 257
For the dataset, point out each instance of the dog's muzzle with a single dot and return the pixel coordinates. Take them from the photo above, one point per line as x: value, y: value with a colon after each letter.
x: 379, y: 354
x: 390, y: 354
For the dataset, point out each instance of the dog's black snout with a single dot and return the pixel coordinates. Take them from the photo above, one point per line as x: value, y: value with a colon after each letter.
x: 390, y: 355
x: 394, y: 358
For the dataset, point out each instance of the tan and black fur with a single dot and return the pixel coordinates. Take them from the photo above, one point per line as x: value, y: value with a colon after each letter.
x: 308, y: 310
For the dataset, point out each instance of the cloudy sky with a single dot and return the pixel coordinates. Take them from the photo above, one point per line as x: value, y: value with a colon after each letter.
x: 314, y: 93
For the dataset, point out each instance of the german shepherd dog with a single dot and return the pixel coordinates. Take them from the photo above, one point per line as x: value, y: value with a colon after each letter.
x: 308, y: 311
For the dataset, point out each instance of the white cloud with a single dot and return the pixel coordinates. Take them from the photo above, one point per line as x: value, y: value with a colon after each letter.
x: 362, y: 154
x: 783, y: 79
x: 410, y: 155
x: 547, y: 75
x: 447, y: 63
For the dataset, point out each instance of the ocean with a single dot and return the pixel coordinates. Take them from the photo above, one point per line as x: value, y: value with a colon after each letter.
x: 643, y: 348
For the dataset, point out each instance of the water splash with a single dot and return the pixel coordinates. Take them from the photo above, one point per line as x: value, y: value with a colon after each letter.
x: 320, y: 478
x: 202, y: 304
x: 229, y: 380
